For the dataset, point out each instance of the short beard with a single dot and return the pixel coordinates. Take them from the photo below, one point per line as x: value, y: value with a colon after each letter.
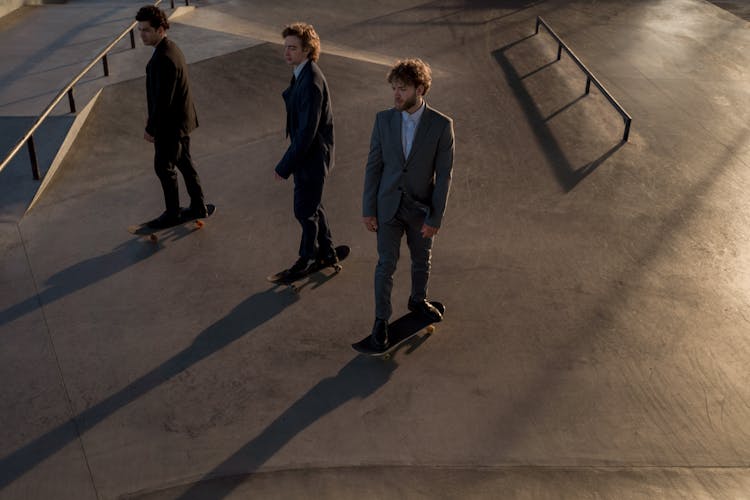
x: 410, y: 103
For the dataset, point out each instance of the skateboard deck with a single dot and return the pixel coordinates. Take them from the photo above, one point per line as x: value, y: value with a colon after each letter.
x: 144, y: 230
x: 399, y: 332
x: 342, y: 252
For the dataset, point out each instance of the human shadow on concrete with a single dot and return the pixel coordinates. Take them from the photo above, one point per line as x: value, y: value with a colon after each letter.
x: 358, y: 379
x: 80, y: 276
x: 243, y: 319
x: 566, y: 174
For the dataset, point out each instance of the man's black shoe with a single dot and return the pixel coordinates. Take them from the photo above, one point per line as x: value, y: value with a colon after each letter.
x: 300, y: 268
x: 167, y: 219
x: 196, y: 212
x: 425, y: 309
x: 328, y: 259
x: 379, y: 336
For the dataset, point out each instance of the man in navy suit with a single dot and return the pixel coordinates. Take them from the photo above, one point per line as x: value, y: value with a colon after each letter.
x: 309, y: 157
x: 171, y: 117
x: 407, y: 181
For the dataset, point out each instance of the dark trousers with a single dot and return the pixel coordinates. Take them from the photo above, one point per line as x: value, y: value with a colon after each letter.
x: 309, y: 212
x: 409, y: 219
x: 171, y: 154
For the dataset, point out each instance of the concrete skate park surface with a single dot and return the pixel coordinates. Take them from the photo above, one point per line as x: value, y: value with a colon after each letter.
x: 595, y: 342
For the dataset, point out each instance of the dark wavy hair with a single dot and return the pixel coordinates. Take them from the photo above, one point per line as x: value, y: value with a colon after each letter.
x: 307, y: 35
x: 411, y: 72
x: 154, y: 16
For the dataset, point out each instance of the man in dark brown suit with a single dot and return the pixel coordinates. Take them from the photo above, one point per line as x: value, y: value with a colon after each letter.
x: 171, y: 117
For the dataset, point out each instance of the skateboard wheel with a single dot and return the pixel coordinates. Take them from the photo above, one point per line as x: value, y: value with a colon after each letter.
x: 431, y: 329
x: 154, y: 238
x: 386, y: 357
x: 293, y: 288
x: 199, y: 224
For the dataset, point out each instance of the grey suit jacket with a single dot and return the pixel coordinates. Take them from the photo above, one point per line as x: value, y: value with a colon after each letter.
x: 424, y: 177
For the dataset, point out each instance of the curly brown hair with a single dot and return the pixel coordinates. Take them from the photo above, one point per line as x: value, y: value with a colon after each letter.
x: 154, y: 16
x: 411, y: 72
x: 307, y: 35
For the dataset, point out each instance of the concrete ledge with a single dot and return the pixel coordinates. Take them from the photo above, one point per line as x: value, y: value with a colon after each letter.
x: 181, y: 11
x: 8, y: 6
x: 64, y: 148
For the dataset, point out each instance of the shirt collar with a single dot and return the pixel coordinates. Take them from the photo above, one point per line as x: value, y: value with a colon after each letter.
x: 415, y: 117
x: 299, y: 67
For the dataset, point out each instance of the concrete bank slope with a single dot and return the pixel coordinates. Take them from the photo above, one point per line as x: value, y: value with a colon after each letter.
x: 595, y: 341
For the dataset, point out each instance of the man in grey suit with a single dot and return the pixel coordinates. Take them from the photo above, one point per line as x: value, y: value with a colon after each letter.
x: 407, y: 180
x: 309, y: 157
x: 171, y: 117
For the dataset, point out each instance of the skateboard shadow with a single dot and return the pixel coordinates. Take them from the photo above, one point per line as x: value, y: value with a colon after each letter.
x: 171, y: 234
x: 412, y: 344
x: 243, y: 319
x: 80, y: 276
x: 358, y: 379
x: 318, y: 279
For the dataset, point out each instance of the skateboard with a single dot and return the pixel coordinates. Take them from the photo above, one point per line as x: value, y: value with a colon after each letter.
x: 399, y: 332
x: 342, y: 252
x: 153, y: 233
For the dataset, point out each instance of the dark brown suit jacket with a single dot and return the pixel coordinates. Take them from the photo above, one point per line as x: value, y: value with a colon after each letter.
x: 171, y: 112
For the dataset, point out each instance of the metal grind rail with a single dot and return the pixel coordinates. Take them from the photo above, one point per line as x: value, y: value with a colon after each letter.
x: 28, y: 137
x: 590, y: 78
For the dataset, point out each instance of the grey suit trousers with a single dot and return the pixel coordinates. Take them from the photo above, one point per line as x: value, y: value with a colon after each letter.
x: 408, y: 219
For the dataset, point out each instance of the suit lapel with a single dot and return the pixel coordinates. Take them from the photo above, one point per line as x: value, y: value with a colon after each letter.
x: 396, y: 132
x: 422, y: 129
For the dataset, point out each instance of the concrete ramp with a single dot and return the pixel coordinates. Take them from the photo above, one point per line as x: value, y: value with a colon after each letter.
x: 595, y: 343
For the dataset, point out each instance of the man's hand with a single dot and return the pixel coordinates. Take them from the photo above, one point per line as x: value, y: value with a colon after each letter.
x: 429, y: 231
x: 277, y: 176
x: 148, y: 137
x: 371, y: 223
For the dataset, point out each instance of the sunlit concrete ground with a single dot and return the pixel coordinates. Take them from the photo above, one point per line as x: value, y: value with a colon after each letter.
x: 595, y: 343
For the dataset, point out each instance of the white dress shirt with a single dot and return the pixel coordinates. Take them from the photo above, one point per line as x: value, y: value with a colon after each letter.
x: 298, y: 69
x: 409, y: 124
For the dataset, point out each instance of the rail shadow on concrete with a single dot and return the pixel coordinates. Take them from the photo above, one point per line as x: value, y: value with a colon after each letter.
x: 567, y: 175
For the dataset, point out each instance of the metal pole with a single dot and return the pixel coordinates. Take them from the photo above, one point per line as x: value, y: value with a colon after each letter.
x: 132, y: 38
x: 559, y: 51
x: 32, y: 156
x: 626, y: 134
x: 588, y: 84
x: 71, y: 100
x: 106, y: 65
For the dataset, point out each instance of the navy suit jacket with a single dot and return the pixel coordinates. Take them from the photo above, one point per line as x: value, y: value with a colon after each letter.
x: 309, y: 125
x: 171, y: 112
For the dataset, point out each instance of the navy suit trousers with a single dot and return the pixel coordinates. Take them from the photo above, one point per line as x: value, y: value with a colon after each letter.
x: 309, y: 212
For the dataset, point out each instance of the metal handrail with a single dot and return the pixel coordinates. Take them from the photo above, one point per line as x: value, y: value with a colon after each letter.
x: 28, y: 137
x: 589, y: 76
